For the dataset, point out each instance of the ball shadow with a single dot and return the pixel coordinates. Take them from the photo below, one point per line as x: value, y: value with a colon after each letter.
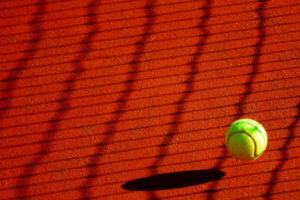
x: 173, y: 180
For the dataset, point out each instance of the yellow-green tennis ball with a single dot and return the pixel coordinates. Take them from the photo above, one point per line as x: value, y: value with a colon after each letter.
x: 246, y: 139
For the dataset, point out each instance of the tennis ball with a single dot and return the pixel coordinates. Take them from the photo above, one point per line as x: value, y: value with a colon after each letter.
x: 246, y: 139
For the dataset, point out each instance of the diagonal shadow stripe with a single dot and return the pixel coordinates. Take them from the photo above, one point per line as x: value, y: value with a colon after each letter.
x: 147, y: 157
x: 284, y: 155
x: 137, y: 8
x: 135, y: 35
x: 23, y: 63
x: 111, y: 125
x: 110, y: 12
x: 11, y: 80
x: 153, y: 69
x: 248, y: 87
x: 253, y: 27
x: 82, y: 106
x: 284, y: 109
x: 29, y: 171
x: 60, y: 10
x: 140, y: 25
x: 189, y: 88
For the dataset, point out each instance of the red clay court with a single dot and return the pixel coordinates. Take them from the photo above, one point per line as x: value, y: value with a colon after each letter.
x: 131, y: 99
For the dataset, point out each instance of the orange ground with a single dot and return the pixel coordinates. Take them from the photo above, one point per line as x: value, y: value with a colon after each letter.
x: 96, y: 94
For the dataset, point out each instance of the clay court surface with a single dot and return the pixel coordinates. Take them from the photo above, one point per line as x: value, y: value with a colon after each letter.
x: 131, y: 99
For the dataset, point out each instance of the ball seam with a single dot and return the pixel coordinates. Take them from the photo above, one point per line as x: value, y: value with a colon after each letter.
x: 255, y: 147
x: 256, y: 126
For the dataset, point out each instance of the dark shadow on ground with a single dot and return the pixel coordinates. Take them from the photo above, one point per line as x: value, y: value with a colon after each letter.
x: 173, y: 180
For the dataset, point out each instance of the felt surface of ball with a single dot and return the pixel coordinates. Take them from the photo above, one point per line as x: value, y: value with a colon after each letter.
x: 246, y: 139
